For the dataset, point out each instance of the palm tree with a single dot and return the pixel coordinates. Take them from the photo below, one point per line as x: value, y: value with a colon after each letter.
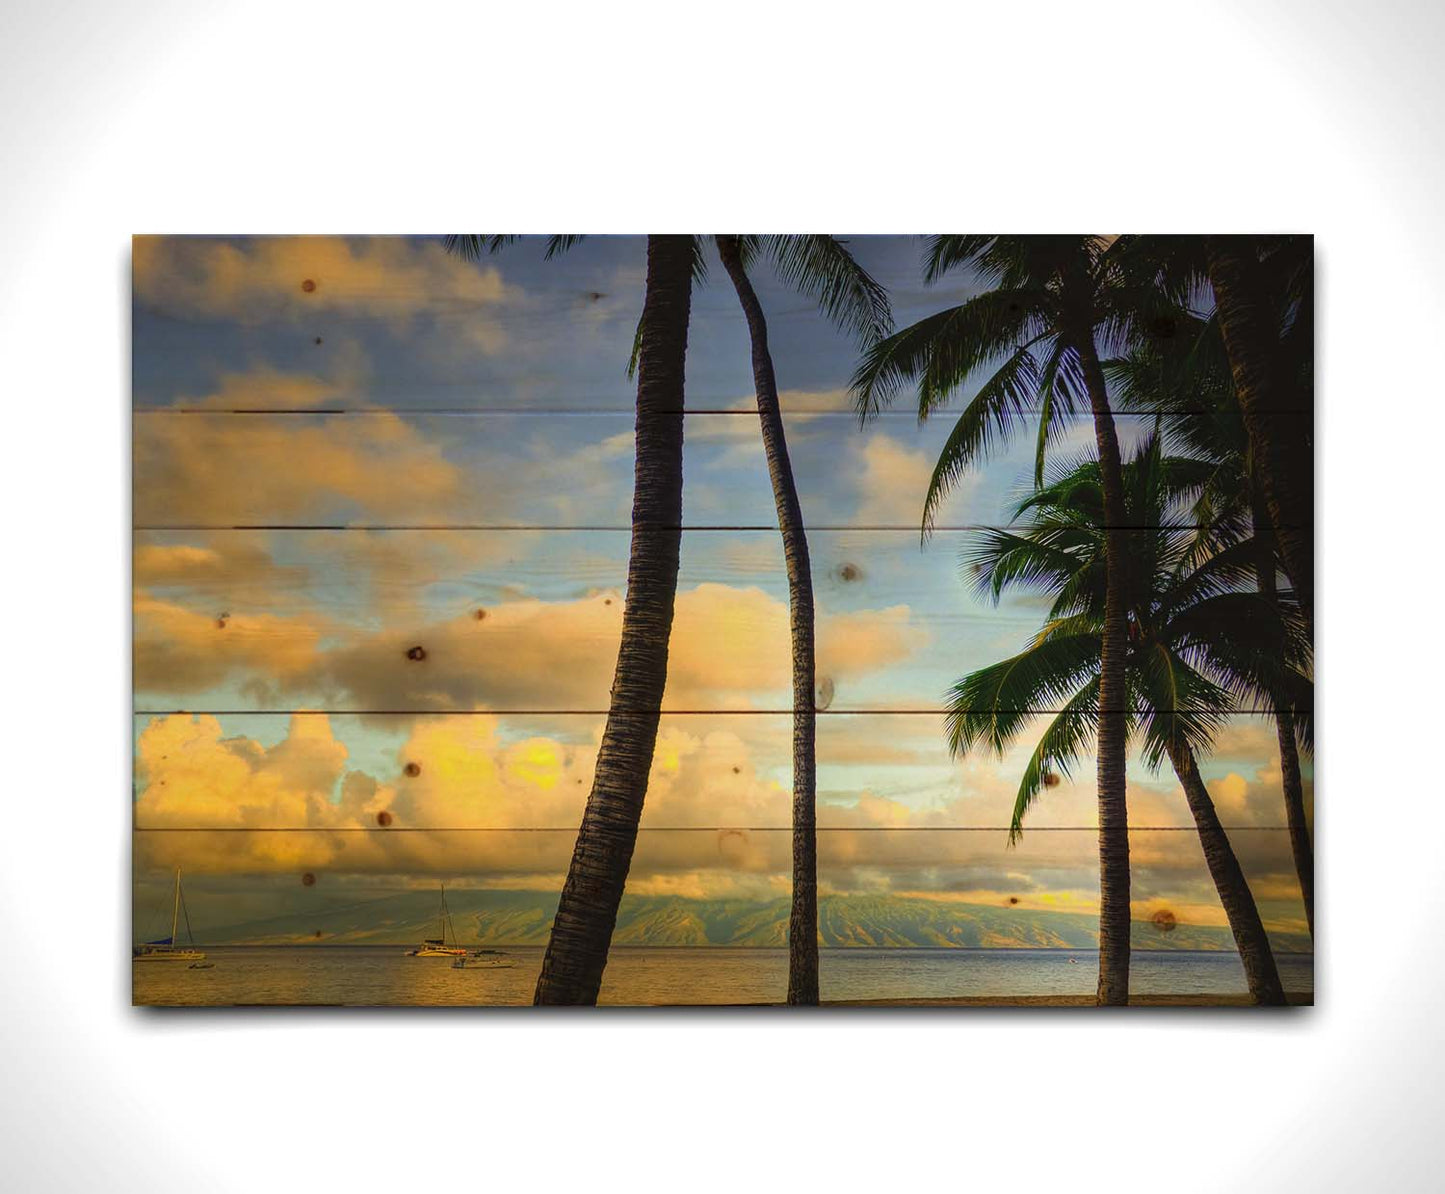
x: 1187, y: 379
x: 1196, y: 642
x: 587, y: 911
x: 819, y: 266
x: 1053, y: 300
x: 822, y: 266
x: 1250, y: 305
x: 1263, y: 292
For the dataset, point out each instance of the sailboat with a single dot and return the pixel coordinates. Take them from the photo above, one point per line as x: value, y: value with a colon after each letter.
x: 437, y: 947
x: 166, y: 949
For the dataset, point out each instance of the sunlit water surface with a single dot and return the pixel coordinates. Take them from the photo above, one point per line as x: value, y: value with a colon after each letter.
x: 383, y: 975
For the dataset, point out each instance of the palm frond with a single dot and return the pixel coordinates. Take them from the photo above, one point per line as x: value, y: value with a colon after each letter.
x: 823, y: 268
x: 940, y: 351
x: 474, y: 247
x: 990, y: 705
x: 945, y: 253
x: 1003, y: 559
x: 1001, y: 402
x: 636, y: 354
x: 1059, y: 746
x: 1179, y: 706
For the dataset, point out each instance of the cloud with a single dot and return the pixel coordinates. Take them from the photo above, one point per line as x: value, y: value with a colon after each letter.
x: 504, y: 808
x: 288, y: 279
x: 730, y: 648
x: 209, y: 465
x: 178, y: 650
x: 231, y: 563
x: 894, y: 483
x: 189, y: 774
x: 199, y: 469
x: 266, y: 388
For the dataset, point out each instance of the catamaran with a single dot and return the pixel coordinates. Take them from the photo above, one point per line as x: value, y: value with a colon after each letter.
x: 166, y: 949
x: 437, y: 947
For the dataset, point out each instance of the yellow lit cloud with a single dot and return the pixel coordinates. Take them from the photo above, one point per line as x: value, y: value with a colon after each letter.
x: 296, y: 277
x: 222, y: 470
x: 894, y: 483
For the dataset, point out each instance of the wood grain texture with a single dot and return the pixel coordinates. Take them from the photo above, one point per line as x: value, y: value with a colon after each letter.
x: 490, y: 771
x: 957, y: 893
x: 490, y: 344
x: 516, y: 619
x: 525, y: 469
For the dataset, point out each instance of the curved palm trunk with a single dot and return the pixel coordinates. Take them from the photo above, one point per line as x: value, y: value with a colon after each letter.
x: 1114, y: 912
x: 1294, y: 795
x: 587, y: 913
x: 1277, y: 435
x: 1249, y: 935
x: 803, y: 923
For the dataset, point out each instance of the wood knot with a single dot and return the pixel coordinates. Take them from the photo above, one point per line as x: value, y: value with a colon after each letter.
x: 412, y: 770
x: 1051, y: 779
x: 480, y: 615
x: 823, y: 693
x: 221, y: 619
x: 849, y: 572
x: 309, y: 285
x: 416, y: 654
x: 308, y: 880
x: 1164, y: 920
x: 732, y: 842
x: 383, y: 818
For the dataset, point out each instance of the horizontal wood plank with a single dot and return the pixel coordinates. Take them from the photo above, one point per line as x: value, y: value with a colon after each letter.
x: 331, y: 308
x: 379, y: 468
x: 940, y: 890
x: 516, y: 620
x: 876, y: 773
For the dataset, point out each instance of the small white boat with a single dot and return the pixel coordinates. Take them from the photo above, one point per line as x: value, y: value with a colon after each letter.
x: 484, y: 959
x: 165, y: 949
x: 437, y: 947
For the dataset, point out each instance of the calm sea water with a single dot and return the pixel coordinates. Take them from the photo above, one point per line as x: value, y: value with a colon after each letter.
x: 383, y: 975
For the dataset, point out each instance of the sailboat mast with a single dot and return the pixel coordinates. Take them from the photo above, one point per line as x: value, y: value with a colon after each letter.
x: 176, y: 907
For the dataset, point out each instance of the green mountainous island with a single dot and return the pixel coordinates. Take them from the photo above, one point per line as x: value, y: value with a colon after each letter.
x: 499, y: 918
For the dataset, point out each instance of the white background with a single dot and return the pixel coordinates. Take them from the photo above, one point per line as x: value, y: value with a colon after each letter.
x: 206, y: 117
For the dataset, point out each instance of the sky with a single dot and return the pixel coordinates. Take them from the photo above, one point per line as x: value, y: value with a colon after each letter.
x: 469, y: 494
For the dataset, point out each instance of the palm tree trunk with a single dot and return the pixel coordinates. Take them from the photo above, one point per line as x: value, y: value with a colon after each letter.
x: 1249, y: 935
x: 803, y: 923
x: 1294, y: 796
x: 1277, y: 435
x: 587, y: 912
x: 1294, y: 806
x: 1114, y: 910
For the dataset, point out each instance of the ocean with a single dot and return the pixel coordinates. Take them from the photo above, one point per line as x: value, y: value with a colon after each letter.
x: 376, y: 976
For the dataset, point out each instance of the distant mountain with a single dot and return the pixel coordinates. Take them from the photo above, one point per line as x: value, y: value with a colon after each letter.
x: 882, y: 921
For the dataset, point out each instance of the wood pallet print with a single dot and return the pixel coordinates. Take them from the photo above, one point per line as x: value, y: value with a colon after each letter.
x: 738, y: 620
